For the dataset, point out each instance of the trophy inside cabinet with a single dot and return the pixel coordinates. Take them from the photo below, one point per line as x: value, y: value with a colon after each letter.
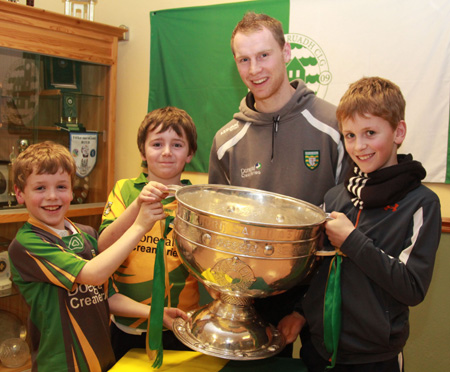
x: 56, y: 99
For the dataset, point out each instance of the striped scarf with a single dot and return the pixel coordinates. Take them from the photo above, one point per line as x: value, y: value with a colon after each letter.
x: 385, y: 186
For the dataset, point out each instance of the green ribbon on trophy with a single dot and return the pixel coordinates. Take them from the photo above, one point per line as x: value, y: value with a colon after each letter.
x: 154, y: 345
x: 332, y: 308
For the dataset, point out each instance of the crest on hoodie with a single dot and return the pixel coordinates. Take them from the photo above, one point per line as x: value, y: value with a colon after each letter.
x: 311, y: 159
x: 308, y: 63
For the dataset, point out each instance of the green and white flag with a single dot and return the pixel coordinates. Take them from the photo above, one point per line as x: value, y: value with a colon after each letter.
x: 333, y: 42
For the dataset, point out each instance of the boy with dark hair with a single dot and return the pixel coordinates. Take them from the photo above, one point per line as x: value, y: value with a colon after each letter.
x: 167, y: 140
x: 56, y: 267
x: 386, y: 232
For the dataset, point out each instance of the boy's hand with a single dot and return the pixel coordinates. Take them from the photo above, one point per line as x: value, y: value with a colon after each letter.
x: 152, y: 192
x: 338, y: 229
x: 149, y: 213
x: 170, y: 313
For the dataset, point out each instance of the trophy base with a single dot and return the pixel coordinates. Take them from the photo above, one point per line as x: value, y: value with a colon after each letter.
x: 229, y: 328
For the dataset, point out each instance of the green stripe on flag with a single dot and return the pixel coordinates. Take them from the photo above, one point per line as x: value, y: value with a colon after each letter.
x: 192, y: 66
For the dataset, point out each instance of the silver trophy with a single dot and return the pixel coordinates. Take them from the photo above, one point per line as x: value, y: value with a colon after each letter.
x: 244, y: 244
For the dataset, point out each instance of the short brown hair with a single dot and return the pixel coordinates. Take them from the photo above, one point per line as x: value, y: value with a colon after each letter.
x: 375, y: 96
x: 43, y: 158
x: 169, y: 118
x: 252, y: 22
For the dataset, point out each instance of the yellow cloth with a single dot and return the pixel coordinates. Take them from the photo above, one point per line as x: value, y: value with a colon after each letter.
x: 136, y: 360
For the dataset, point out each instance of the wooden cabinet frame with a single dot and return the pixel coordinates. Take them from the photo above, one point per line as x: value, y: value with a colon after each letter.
x: 42, y: 32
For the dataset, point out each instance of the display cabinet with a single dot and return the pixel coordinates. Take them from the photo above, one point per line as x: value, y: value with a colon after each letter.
x: 57, y: 82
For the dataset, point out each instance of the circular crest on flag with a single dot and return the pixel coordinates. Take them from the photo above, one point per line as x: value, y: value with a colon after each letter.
x: 308, y: 63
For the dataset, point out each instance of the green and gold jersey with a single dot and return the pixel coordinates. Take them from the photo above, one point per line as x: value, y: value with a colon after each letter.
x: 134, y: 278
x: 68, y: 322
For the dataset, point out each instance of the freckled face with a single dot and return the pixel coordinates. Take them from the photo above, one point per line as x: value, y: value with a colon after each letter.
x: 166, y: 154
x: 261, y: 63
x: 371, y: 142
x: 47, y: 197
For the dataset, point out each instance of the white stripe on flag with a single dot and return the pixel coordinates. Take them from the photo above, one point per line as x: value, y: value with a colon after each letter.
x: 409, y: 44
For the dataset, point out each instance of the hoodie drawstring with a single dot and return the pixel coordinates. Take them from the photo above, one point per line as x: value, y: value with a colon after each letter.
x: 276, y: 121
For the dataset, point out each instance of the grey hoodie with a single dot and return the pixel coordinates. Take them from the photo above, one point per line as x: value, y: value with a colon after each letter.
x: 296, y: 151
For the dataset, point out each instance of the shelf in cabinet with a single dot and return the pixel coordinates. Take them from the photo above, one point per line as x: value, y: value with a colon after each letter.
x: 15, y: 214
x: 56, y: 93
x: 10, y: 292
x: 55, y: 128
x: 25, y: 368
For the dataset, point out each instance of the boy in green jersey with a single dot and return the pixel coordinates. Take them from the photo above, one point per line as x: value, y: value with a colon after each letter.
x: 56, y: 267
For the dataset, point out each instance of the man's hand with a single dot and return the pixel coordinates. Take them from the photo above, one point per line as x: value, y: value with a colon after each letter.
x: 170, y: 313
x: 291, y: 325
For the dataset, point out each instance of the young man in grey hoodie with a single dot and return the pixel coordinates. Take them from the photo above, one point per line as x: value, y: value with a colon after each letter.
x: 284, y: 139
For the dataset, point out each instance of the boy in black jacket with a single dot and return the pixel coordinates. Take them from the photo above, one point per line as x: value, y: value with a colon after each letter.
x: 386, y: 232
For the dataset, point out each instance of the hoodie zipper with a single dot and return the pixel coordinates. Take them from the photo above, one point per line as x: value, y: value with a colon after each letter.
x: 275, y: 123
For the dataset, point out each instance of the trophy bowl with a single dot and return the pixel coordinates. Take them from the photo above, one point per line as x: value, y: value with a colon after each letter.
x: 242, y: 243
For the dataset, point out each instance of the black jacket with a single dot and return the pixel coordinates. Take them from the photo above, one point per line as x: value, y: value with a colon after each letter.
x: 389, y: 265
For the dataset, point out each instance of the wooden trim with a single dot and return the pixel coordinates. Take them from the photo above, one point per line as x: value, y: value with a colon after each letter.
x: 111, y: 118
x: 446, y: 224
x: 21, y: 214
x: 39, y: 31
x: 75, y: 210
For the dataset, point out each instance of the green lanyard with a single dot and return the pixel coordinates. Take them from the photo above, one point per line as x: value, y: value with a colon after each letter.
x: 332, y: 308
x: 332, y: 305
x: 155, y: 325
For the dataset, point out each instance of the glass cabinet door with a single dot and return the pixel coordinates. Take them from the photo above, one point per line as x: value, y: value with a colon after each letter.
x: 57, y: 99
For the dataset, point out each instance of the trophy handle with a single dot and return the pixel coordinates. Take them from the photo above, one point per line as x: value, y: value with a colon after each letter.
x: 174, y: 188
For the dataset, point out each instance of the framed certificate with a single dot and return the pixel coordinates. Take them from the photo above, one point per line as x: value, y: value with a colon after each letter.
x: 62, y: 74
